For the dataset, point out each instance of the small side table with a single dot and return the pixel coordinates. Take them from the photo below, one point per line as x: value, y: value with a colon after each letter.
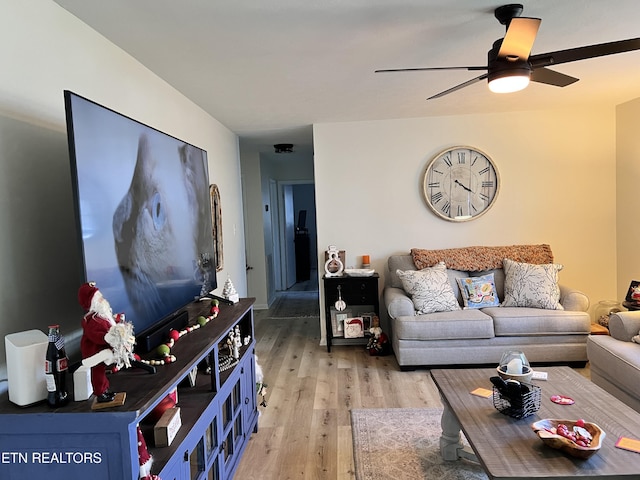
x: 359, y: 293
x: 597, y: 329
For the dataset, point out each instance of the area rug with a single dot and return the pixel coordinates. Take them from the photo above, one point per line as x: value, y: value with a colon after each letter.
x: 296, y: 305
x: 404, y: 444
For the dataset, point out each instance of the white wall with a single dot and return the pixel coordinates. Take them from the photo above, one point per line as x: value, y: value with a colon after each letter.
x: 257, y: 226
x: 46, y: 50
x: 627, y: 198
x: 556, y: 168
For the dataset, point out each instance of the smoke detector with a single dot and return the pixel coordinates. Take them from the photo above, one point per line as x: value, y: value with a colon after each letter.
x: 283, y: 147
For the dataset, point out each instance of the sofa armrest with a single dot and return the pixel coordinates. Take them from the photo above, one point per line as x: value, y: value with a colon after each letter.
x: 573, y: 300
x: 398, y: 303
x: 624, y: 325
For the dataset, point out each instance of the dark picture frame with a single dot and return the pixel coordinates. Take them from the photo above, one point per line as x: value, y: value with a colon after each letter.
x: 635, y: 285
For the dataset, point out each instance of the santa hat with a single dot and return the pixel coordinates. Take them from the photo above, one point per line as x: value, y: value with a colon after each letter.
x: 144, y: 458
x: 86, y: 293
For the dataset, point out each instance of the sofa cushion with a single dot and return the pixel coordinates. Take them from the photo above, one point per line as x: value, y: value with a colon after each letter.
x: 524, y: 321
x: 395, y: 263
x: 529, y: 285
x: 429, y: 289
x: 461, y: 324
x: 478, y: 292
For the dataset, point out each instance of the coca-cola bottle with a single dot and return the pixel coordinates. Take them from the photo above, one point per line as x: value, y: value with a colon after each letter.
x: 55, y: 369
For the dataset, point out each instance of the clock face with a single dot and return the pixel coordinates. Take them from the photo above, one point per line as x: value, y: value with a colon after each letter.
x: 461, y: 184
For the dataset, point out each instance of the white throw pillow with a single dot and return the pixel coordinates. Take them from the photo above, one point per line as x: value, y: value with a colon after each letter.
x: 429, y: 289
x: 529, y: 285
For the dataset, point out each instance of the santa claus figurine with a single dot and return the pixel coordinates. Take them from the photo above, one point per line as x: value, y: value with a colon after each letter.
x: 106, y: 339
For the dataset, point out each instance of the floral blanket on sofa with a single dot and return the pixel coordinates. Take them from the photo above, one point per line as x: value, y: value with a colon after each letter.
x: 477, y: 259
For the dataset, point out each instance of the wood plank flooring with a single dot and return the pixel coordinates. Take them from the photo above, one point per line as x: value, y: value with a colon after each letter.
x: 305, y: 430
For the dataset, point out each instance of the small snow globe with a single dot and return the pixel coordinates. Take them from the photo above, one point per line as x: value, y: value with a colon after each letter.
x: 515, y: 366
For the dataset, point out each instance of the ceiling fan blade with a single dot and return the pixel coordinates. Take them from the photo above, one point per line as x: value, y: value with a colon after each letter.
x: 420, y: 69
x: 458, y: 87
x: 519, y: 38
x: 583, y: 53
x: 551, y: 77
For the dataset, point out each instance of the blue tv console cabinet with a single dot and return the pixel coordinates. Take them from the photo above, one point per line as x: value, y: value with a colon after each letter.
x: 218, y: 415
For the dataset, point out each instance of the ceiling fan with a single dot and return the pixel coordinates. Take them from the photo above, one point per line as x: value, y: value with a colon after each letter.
x: 510, y: 66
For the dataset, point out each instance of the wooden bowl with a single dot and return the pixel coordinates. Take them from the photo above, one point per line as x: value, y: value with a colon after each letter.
x: 525, y: 377
x: 545, y: 429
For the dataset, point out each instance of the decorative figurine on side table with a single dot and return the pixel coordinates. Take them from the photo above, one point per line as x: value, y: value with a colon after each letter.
x: 378, y: 344
x: 334, y: 266
x: 107, y: 339
x: 229, y: 291
x: 234, y: 342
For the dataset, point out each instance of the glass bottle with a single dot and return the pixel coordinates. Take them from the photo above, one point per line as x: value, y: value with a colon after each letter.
x: 604, y: 309
x: 56, y: 366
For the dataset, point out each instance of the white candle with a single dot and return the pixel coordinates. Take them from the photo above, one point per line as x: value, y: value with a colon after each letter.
x: 515, y: 366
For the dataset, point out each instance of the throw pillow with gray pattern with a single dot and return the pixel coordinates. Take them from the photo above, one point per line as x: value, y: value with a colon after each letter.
x: 528, y: 285
x: 429, y: 289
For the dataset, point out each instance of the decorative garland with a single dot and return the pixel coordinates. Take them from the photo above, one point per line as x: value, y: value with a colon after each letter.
x: 164, y: 350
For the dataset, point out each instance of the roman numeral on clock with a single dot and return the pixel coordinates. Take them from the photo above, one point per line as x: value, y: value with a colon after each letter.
x: 436, y: 197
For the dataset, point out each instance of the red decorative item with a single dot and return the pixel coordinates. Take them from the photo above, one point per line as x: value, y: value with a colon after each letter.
x: 165, y: 404
x: 562, y: 400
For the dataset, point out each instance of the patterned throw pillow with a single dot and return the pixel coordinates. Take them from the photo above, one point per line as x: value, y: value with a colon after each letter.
x: 479, y: 292
x: 527, y: 285
x: 429, y: 289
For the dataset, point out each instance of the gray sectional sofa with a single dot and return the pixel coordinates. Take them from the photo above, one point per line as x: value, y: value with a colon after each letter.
x: 481, y: 335
x: 614, y: 359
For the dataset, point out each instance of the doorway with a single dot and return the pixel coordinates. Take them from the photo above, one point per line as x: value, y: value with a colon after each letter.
x: 295, y: 236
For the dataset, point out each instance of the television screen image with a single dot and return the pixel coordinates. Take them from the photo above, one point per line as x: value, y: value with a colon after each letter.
x: 143, y: 207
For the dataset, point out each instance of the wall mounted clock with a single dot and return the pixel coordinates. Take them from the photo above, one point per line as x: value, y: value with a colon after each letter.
x: 461, y: 183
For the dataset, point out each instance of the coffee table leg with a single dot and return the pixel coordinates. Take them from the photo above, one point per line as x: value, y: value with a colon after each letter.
x: 451, y: 447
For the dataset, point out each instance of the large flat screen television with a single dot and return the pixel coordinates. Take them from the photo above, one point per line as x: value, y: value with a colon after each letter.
x: 143, y: 212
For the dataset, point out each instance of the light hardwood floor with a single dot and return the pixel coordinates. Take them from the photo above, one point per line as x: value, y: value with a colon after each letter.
x: 305, y: 430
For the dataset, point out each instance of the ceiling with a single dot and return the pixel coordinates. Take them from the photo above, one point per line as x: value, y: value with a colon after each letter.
x: 269, y: 70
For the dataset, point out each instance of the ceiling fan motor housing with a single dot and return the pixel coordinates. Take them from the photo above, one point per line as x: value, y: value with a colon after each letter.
x: 501, y: 67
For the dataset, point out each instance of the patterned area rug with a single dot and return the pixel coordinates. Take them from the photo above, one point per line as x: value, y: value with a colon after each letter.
x: 404, y: 444
x: 296, y: 305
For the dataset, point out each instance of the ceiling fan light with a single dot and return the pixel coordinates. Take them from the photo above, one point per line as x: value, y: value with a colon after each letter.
x: 509, y: 83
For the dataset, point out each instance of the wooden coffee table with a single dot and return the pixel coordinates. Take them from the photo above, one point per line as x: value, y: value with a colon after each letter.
x: 509, y: 449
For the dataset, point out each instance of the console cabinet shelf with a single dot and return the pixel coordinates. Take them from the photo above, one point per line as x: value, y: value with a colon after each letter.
x: 218, y: 415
